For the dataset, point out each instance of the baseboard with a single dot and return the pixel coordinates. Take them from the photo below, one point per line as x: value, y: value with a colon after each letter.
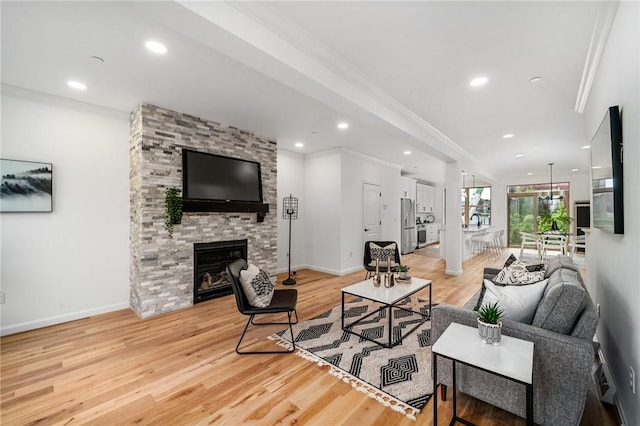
x: 321, y: 269
x: 616, y: 401
x: 450, y: 272
x: 59, y: 319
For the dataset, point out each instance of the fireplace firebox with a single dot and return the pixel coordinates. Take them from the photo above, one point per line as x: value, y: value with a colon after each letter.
x: 209, y: 270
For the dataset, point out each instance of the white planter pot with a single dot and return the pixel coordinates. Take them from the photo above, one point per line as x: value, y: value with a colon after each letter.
x: 490, y: 333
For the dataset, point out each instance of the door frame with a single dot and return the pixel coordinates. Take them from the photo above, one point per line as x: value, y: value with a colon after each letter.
x: 362, y: 231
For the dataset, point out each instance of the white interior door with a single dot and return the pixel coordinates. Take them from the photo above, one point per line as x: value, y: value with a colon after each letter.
x: 371, y: 212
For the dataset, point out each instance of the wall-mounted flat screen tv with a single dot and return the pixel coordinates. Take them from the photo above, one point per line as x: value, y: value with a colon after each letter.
x: 606, y: 171
x: 208, y: 177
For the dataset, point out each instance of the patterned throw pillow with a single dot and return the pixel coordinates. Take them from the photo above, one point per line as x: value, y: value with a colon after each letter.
x: 517, y: 274
x: 257, y: 286
x: 382, y: 254
x: 512, y: 258
x: 535, y: 268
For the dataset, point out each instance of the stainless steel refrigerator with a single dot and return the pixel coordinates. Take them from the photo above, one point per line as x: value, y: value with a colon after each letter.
x: 409, y: 234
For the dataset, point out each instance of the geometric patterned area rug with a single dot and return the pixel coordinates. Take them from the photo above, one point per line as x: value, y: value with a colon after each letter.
x: 399, y: 378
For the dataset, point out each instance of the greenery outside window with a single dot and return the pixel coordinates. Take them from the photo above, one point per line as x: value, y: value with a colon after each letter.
x: 475, y: 204
x: 531, y: 208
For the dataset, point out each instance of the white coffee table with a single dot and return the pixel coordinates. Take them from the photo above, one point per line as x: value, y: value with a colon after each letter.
x: 388, y: 297
x: 512, y: 358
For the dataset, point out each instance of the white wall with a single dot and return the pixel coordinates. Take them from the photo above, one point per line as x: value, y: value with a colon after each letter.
x: 328, y: 237
x: 291, y: 174
x: 613, y: 267
x: 322, y: 195
x: 73, y: 262
x: 357, y: 169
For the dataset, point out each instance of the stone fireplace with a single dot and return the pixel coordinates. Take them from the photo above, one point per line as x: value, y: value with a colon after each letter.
x: 210, y: 261
x: 162, y: 267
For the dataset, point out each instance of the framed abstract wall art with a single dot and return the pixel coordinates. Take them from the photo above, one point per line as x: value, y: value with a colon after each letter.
x: 25, y: 186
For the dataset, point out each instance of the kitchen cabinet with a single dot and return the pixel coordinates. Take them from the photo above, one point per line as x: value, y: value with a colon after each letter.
x: 408, y: 188
x: 433, y: 233
x: 425, y: 198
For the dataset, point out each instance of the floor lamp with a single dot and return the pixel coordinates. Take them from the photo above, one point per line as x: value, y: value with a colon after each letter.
x: 289, y: 211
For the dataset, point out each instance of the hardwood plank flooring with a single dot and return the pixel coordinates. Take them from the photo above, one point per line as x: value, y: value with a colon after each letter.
x: 181, y: 367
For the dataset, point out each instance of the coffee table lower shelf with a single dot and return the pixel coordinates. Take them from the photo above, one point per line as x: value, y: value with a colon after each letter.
x: 389, y: 299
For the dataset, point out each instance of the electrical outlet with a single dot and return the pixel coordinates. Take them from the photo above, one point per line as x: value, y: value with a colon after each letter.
x: 2, y: 297
x: 632, y: 379
x: 598, y: 309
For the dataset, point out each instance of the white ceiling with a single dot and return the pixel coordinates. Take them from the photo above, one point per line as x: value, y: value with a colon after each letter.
x: 398, y: 72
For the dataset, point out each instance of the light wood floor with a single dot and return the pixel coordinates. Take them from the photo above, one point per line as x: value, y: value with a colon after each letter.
x: 181, y: 368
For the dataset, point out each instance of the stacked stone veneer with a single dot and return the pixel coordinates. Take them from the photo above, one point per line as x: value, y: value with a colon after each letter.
x: 161, y: 271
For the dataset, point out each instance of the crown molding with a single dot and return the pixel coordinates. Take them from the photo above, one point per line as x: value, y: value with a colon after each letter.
x: 601, y: 30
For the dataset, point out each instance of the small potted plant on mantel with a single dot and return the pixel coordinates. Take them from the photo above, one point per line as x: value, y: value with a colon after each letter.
x: 489, y: 322
x: 402, y: 271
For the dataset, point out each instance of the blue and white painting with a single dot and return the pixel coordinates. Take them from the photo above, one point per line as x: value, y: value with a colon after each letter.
x: 25, y: 186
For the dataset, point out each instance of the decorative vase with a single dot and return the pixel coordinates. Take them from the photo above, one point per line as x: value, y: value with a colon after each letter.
x: 376, y: 276
x: 403, y: 275
x: 490, y: 333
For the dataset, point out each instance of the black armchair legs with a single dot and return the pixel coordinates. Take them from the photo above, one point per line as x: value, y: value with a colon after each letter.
x: 250, y: 321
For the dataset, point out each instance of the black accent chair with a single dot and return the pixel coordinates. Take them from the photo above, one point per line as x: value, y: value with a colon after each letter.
x: 283, y: 301
x: 383, y: 264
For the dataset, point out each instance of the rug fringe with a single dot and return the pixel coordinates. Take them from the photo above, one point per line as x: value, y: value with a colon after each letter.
x: 359, y: 385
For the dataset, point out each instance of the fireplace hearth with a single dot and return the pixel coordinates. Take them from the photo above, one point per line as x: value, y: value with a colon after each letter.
x: 209, y: 270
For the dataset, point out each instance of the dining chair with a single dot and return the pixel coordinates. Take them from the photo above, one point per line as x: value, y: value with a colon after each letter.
x: 531, y: 241
x: 553, y: 242
x: 577, y: 242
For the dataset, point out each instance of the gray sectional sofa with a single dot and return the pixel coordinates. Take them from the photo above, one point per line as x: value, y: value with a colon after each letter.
x: 562, y: 332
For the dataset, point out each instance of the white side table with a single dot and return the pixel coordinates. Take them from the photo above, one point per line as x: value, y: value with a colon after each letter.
x: 512, y: 358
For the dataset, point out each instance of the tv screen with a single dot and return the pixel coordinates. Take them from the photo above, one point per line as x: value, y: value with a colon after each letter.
x: 606, y: 172
x: 218, y: 178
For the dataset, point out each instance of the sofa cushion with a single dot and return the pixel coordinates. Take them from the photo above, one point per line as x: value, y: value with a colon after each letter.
x: 558, y: 262
x: 562, y: 302
x: 518, y: 301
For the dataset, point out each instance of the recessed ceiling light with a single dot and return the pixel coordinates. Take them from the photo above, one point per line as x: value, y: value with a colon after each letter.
x: 77, y: 85
x: 343, y: 125
x: 479, y: 81
x: 299, y: 144
x: 529, y: 174
x: 508, y: 136
x: 407, y: 152
x: 535, y: 79
x: 586, y: 146
x: 575, y: 170
x: 519, y: 155
x: 156, y: 47
x: 596, y: 167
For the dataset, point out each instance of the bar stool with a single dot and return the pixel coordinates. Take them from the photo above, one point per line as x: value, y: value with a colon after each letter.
x: 481, y: 242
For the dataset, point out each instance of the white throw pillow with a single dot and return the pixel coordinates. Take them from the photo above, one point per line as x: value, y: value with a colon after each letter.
x: 257, y: 286
x: 519, y: 302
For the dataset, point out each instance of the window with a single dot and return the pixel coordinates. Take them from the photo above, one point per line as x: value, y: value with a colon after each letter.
x: 531, y: 208
x: 475, y: 204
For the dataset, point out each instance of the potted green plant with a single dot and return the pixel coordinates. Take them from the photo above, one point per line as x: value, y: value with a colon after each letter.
x: 402, y: 271
x: 489, y: 322
x: 173, y: 208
